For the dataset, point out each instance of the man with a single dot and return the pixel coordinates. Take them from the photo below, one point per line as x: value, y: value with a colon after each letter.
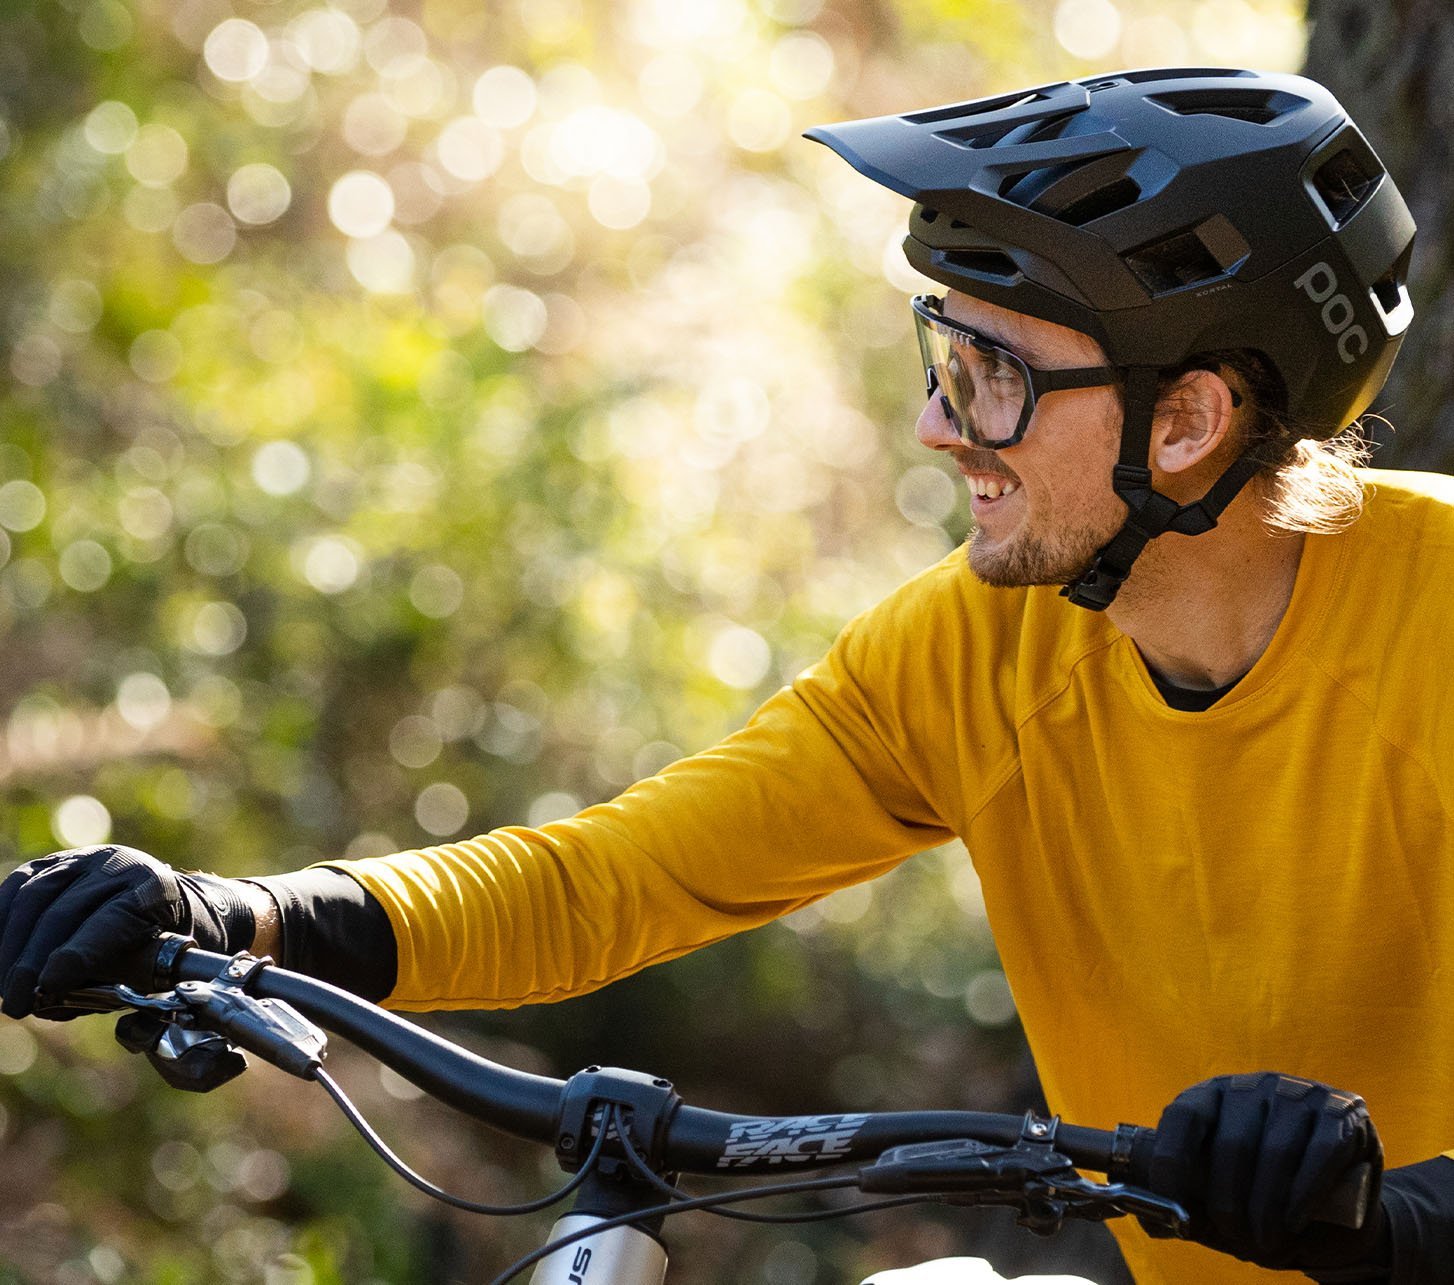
x: 1207, y: 796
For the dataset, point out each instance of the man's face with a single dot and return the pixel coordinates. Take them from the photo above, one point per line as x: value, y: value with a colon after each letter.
x: 1043, y: 507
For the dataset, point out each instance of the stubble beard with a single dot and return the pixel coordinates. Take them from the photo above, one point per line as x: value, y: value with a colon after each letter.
x: 1028, y: 559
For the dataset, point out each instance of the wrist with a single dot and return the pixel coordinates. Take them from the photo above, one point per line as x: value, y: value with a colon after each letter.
x: 267, y: 919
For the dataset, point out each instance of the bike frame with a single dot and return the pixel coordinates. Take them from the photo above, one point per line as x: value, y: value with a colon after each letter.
x: 617, y: 1256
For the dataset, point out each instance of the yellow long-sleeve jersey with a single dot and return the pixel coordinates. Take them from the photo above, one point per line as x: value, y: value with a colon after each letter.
x: 1175, y: 895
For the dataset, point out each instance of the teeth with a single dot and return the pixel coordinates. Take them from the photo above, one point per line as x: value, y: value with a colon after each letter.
x: 991, y: 488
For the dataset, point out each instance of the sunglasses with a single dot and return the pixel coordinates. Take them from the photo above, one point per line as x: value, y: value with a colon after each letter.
x: 988, y: 392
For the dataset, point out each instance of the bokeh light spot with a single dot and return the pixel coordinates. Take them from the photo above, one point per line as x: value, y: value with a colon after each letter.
x: 555, y: 805
x: 79, y: 821
x: 155, y: 356
x: 216, y: 549
x: 987, y: 999
x: 361, y: 204
x: 441, y: 809
x: 436, y: 591
x: 331, y: 564
x: 739, y: 657
x: 235, y: 50
x: 619, y: 203
x: 18, y: 1049
x: 926, y: 495
x: 504, y: 97
x: 1087, y: 29
x: 36, y: 360
x: 157, y: 155
x: 327, y: 40
x: 281, y: 468
x: 22, y: 505
x: 75, y: 306
x: 469, y: 149
x: 415, y: 742
x: 801, y: 64
x: 110, y: 127
x: 514, y: 318
x: 218, y: 629
x: 258, y: 193
x: 383, y: 264
x: 394, y: 42
x: 143, y: 700
x: 85, y: 566
x: 373, y: 126
x: 204, y: 233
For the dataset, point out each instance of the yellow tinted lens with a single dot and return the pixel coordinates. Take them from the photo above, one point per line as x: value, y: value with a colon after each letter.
x: 985, y: 389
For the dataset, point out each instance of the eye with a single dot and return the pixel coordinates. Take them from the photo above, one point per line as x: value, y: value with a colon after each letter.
x: 1006, y: 379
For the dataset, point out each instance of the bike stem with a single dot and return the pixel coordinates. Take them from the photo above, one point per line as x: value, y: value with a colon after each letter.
x: 616, y: 1256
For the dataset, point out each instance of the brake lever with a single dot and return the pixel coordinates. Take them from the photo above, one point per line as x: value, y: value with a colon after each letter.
x: 105, y: 999
x: 1031, y: 1176
x: 275, y: 1031
x: 1117, y: 1198
x: 199, y: 1018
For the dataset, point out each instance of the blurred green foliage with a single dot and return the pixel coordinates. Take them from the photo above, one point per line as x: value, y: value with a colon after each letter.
x: 424, y: 416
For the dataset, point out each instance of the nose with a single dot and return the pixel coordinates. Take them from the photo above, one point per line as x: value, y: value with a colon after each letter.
x: 934, y: 428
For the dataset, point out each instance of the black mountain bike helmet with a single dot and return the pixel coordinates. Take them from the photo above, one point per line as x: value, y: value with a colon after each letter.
x: 1164, y: 212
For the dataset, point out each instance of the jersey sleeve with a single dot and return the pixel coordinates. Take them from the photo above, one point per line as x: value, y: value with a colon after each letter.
x: 810, y: 796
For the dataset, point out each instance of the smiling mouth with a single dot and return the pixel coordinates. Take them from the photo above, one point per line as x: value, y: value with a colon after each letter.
x: 990, y: 486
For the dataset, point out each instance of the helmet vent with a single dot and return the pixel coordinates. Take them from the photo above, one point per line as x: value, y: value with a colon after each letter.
x: 1259, y: 106
x: 1344, y: 181
x: 1074, y: 192
x: 980, y: 107
x: 1174, y: 263
x: 1146, y: 75
x: 985, y: 134
x: 1386, y: 291
x: 992, y: 133
x: 983, y: 263
x: 1107, y: 200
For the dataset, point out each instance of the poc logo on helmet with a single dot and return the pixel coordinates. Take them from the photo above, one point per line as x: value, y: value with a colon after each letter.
x: 1321, y: 286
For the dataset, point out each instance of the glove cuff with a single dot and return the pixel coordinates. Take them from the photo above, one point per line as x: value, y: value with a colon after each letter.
x: 222, y: 918
x: 1419, y: 1202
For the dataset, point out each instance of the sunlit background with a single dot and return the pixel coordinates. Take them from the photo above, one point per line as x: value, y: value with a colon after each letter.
x: 430, y: 416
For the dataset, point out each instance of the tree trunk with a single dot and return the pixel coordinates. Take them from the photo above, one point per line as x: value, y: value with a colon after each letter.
x: 1390, y: 63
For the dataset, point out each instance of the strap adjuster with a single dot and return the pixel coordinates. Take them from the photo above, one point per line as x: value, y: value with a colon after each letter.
x: 1130, y: 477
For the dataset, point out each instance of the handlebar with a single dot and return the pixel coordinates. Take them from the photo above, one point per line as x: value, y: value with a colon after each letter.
x: 693, y: 1140
x: 676, y: 1137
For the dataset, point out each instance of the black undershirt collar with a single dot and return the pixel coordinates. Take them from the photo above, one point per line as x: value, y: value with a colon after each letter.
x: 1191, y: 699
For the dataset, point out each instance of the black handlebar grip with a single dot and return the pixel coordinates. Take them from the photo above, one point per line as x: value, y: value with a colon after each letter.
x: 149, y: 967
x: 1347, y: 1204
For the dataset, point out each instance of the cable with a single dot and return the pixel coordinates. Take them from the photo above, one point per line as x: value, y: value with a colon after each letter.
x: 679, y: 1207
x: 427, y: 1187
x: 644, y: 1170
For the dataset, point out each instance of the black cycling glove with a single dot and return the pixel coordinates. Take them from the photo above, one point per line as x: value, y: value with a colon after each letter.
x: 1253, y: 1159
x: 71, y: 918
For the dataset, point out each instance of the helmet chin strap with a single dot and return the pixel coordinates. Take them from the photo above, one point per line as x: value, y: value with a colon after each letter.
x: 1150, y: 513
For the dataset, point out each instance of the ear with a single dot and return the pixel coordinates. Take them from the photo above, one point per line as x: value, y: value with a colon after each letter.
x: 1192, y: 419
